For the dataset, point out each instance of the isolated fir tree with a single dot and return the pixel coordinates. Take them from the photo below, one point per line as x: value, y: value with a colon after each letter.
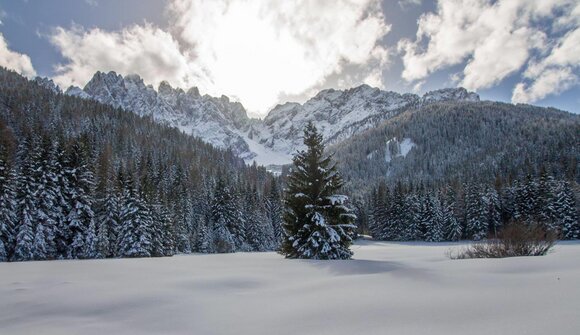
x: 317, y: 222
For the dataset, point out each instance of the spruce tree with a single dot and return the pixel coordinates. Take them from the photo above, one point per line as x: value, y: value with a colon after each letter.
x: 81, y: 184
x: 27, y: 203
x: 7, y: 208
x: 568, y: 218
x: 135, y: 232
x: 274, y: 212
x: 453, y: 227
x: 317, y: 222
x: 228, y: 227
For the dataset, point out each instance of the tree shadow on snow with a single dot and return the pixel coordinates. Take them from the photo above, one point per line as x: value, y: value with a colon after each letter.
x: 355, y: 266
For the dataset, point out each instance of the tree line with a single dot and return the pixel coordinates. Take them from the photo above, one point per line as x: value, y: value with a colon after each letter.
x: 79, y: 179
x: 472, y: 210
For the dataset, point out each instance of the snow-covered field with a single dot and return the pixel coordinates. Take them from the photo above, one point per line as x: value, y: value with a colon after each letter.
x: 390, y: 288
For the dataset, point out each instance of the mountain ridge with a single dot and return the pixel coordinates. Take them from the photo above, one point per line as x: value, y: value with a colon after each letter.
x: 338, y: 114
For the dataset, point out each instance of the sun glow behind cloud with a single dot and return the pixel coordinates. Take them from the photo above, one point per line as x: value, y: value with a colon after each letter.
x: 253, y: 51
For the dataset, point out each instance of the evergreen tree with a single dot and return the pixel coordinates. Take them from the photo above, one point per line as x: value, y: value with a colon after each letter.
x: 259, y: 232
x: 566, y: 208
x: 204, y: 239
x: 274, y: 212
x: 317, y: 222
x: 493, y: 204
x: 91, y: 244
x: 228, y: 224
x: 81, y: 184
x: 7, y: 208
x: 135, y: 239
x: 475, y: 213
x: 223, y: 241
x: 453, y: 228
x: 27, y: 190
x: 434, y: 222
x: 108, y: 224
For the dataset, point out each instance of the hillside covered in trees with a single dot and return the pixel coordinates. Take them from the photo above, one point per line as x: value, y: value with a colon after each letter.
x: 461, y: 170
x: 79, y: 179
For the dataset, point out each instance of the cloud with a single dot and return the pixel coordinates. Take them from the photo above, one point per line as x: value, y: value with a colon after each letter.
x: 491, y: 39
x: 15, y: 61
x: 253, y: 51
x: 553, y: 74
x: 143, y: 49
x: 551, y: 81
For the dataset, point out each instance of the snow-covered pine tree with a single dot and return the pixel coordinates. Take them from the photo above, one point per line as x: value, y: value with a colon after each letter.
x: 48, y: 210
x: 162, y: 232
x: 27, y: 188
x: 566, y: 209
x: 7, y: 208
x: 410, y: 219
x: 183, y: 215
x: 274, y: 212
x: 317, y: 222
x: 434, y: 226
x: 398, y: 215
x: 453, y: 227
x: 62, y: 206
x: 223, y: 241
x: 91, y: 244
x: 81, y: 182
x: 547, y: 215
x: 204, y: 239
x: 107, y: 218
x: 381, y: 217
x: 135, y: 224
x: 475, y: 213
x: 228, y: 225
x: 493, y: 204
x: 259, y: 232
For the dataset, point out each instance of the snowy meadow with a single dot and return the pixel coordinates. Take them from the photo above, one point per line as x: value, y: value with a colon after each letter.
x: 395, y: 288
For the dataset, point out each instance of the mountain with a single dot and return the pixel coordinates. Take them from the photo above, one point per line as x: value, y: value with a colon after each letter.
x: 339, y: 114
x: 215, y: 120
x: 450, y: 142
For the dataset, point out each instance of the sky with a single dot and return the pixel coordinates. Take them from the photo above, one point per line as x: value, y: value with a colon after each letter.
x: 263, y: 53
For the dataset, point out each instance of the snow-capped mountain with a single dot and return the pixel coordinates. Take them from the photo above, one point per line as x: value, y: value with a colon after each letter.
x: 339, y: 114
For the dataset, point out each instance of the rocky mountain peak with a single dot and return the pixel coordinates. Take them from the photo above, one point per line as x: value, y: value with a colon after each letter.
x: 339, y: 114
x: 450, y: 94
x: 48, y: 84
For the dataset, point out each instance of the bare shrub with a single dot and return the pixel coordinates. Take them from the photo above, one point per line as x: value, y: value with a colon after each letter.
x: 515, y: 239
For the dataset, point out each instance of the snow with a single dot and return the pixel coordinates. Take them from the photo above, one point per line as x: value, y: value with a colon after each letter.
x: 337, y: 199
x: 403, y: 148
x: 389, y: 288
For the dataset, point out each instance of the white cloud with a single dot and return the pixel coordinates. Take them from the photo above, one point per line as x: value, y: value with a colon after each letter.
x: 253, y: 51
x: 15, y: 61
x: 493, y: 39
x: 553, y: 74
x: 146, y: 50
x: 551, y: 81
